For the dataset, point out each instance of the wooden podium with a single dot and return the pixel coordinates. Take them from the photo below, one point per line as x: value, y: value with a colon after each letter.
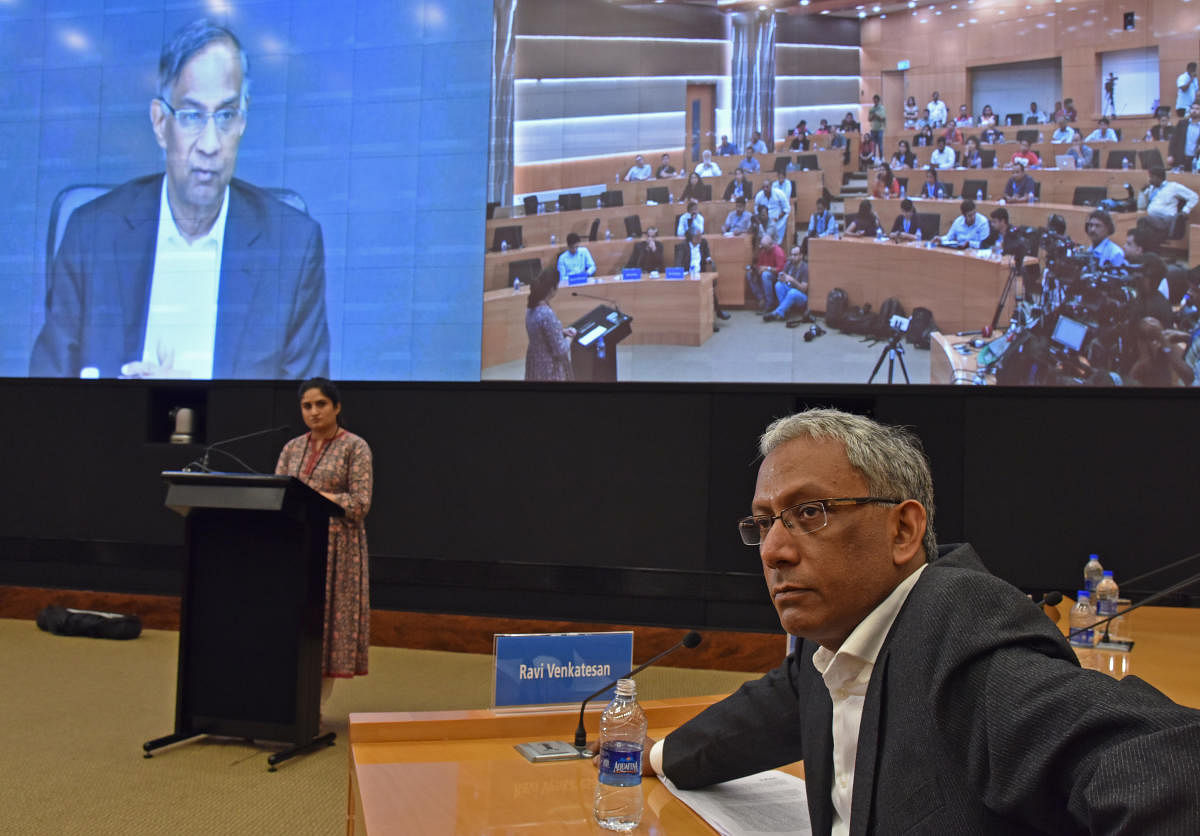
x: 251, y: 624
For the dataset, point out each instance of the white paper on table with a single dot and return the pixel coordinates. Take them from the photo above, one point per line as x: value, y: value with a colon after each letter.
x: 770, y: 802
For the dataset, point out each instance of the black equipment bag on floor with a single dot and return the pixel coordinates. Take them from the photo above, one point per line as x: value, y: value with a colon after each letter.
x: 920, y: 327
x: 98, y: 625
x: 836, y: 304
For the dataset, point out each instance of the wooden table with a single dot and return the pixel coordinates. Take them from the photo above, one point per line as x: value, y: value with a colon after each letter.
x: 664, y: 311
x: 456, y: 772
x: 961, y: 289
x: 949, y: 366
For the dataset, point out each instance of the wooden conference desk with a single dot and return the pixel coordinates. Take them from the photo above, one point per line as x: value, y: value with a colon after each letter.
x: 664, y: 311
x: 456, y: 772
x: 961, y: 289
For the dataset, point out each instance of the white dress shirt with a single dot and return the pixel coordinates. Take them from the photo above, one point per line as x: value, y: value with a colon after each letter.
x: 689, y: 221
x: 1161, y: 202
x: 709, y: 169
x: 943, y: 157
x: 937, y: 113
x: 181, y: 321
x: 640, y: 172
x: 846, y: 674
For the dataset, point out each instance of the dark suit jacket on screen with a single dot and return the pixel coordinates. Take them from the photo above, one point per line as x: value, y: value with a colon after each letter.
x: 271, y: 303
x: 1177, y: 145
x: 977, y: 719
x: 683, y: 255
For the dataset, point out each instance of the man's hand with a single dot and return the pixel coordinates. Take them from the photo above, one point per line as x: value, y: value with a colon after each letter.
x: 569, y: 332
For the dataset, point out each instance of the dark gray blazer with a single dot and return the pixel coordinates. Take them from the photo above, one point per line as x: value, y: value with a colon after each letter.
x: 271, y: 320
x: 977, y: 719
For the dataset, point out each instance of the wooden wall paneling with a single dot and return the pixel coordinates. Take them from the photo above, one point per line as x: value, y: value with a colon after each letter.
x: 584, y: 58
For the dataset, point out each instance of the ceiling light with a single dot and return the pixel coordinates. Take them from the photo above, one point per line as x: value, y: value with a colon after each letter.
x: 883, y: 17
x: 961, y: 24
x: 877, y: 9
x: 861, y: 15
x: 824, y: 11
x: 804, y: 2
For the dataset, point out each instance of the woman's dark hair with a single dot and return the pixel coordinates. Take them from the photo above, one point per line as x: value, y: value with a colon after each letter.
x: 932, y: 170
x: 888, y: 177
x: 864, y: 209
x: 692, y: 190
x: 542, y: 286
x: 326, y: 387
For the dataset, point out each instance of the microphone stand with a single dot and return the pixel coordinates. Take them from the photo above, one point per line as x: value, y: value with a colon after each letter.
x: 203, y: 463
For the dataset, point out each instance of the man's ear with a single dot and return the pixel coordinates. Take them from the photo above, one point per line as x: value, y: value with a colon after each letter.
x: 907, y: 529
x: 158, y: 121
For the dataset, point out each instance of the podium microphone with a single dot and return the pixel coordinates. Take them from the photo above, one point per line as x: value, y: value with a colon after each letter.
x: 692, y: 639
x: 612, y: 302
x: 203, y: 463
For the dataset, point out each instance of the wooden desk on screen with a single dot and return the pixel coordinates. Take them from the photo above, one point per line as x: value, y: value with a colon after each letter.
x: 664, y: 311
x: 456, y: 772
x: 961, y: 289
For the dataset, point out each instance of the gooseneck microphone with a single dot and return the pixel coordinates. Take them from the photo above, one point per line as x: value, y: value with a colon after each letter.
x: 692, y: 639
x: 202, y: 464
x: 612, y: 302
x: 1051, y: 599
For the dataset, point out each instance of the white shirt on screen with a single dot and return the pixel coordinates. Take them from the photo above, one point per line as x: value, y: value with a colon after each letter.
x: 181, y: 321
x: 846, y: 674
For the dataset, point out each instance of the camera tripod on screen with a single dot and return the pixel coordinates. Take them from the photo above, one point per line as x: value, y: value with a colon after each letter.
x: 1110, y: 89
x: 893, y: 351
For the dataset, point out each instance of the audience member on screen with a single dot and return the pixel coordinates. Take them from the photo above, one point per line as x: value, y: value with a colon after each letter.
x: 967, y: 709
x: 1160, y: 359
x: 1026, y: 156
x: 886, y: 185
x: 905, y: 227
x: 1160, y: 131
x: 192, y: 273
x: 639, y: 171
x: 911, y: 113
x: 932, y: 189
x: 942, y: 156
x: 822, y: 223
x: 1035, y: 116
x: 971, y: 157
x: 923, y: 137
x: 739, y: 186
x: 548, y: 356
x: 877, y: 117
x: 1060, y: 112
x: 1063, y: 133
x: 1164, y: 202
x: 1185, y: 140
x: 791, y: 289
x: 692, y: 253
x: 1083, y: 155
x: 575, y: 261
x: 707, y: 167
x: 969, y: 228
x: 726, y: 148
x: 867, y: 152
x: 1103, y: 132
x: 992, y: 136
x: 691, y: 220
x: 760, y: 276
x: 864, y: 222
x: 1020, y: 188
x: 693, y: 189
x: 647, y: 254
x: 779, y: 206
x: 737, y: 222
x: 1069, y: 110
x: 904, y: 157
x: 964, y: 118
x: 938, y: 114
x: 952, y: 134
x: 1099, y: 227
x: 750, y: 164
x: 758, y: 143
x: 1186, y: 88
x: 665, y: 169
x: 987, y: 117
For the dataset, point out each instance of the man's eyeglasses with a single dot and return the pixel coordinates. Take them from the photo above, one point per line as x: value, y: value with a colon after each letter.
x: 192, y: 121
x: 806, y: 517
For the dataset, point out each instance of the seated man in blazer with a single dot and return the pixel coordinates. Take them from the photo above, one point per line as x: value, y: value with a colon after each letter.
x: 192, y: 273
x: 926, y: 695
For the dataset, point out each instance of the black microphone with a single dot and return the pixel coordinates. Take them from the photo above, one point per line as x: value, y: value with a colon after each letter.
x: 1150, y: 599
x: 1051, y: 599
x: 203, y: 463
x: 692, y: 639
x: 612, y: 302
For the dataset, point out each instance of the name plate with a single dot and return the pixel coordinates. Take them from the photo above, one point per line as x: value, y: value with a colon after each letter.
x: 631, y: 274
x: 556, y: 668
x: 577, y: 278
x: 676, y: 273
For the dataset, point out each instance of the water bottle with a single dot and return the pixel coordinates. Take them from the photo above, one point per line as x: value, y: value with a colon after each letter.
x: 516, y: 285
x: 942, y: 192
x: 1092, y: 573
x: 618, y: 804
x: 1125, y: 163
x: 1107, y: 594
x: 600, y: 350
x: 608, y: 235
x: 1083, y: 616
x: 979, y: 195
x: 903, y: 191
x: 919, y: 236
x: 553, y: 238
x: 504, y: 245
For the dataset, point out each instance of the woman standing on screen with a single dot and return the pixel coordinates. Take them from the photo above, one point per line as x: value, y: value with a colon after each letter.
x: 337, y: 464
x: 549, y: 354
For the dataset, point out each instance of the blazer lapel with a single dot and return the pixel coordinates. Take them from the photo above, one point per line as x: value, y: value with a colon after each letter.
x: 868, y: 748
x: 133, y: 244
x: 818, y: 754
x: 235, y: 295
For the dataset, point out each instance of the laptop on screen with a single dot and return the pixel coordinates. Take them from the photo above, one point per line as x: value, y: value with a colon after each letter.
x: 1069, y: 333
x: 1064, y: 161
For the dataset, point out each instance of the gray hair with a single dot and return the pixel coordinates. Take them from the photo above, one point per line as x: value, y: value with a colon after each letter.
x: 186, y: 43
x: 891, y: 459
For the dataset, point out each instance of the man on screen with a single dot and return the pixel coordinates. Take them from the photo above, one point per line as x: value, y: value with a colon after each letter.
x: 925, y: 695
x: 190, y: 273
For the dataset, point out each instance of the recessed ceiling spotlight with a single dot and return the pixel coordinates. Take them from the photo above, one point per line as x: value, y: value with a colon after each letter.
x: 861, y: 15
x: 883, y: 17
x: 961, y: 24
x: 824, y: 11
x: 804, y: 2
x: 877, y: 9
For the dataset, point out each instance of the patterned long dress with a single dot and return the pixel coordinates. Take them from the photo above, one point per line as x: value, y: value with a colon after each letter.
x: 341, y: 467
x: 549, y: 354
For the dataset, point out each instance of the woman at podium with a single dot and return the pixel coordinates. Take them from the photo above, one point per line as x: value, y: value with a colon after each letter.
x: 337, y: 463
x: 549, y: 354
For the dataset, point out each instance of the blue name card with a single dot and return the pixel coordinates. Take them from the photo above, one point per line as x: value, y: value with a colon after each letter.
x: 577, y: 278
x: 554, y: 668
x: 675, y: 272
x: 631, y: 274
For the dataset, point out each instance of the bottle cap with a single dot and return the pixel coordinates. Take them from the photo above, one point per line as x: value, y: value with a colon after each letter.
x: 1108, y: 573
x: 1083, y: 593
x: 626, y: 687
